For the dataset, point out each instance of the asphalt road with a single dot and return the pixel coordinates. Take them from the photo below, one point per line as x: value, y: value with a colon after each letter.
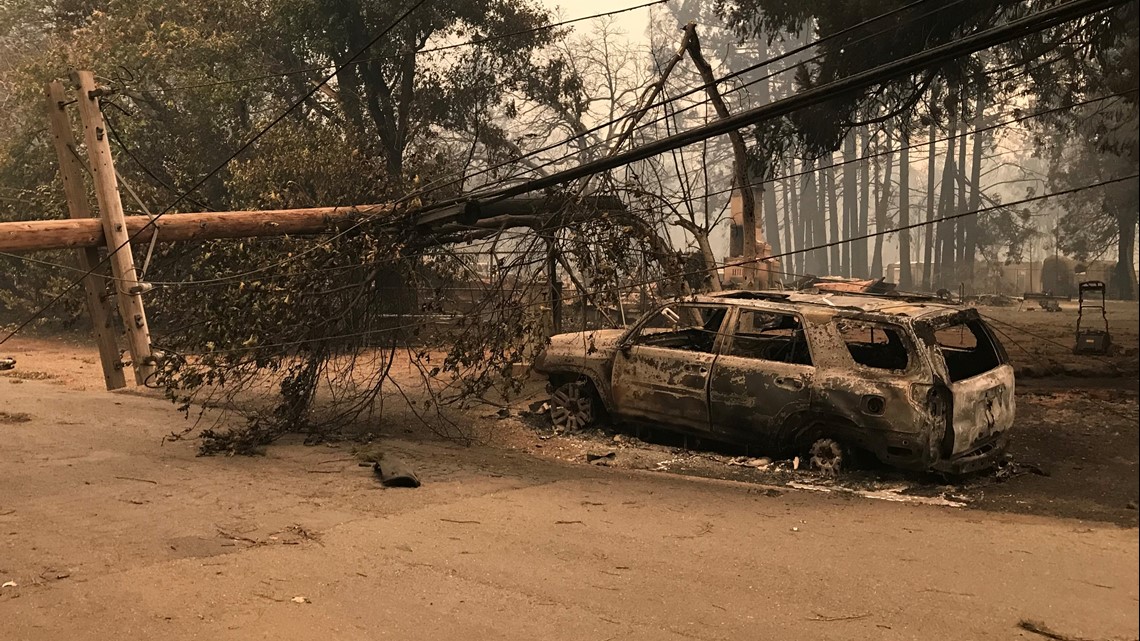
x: 108, y: 533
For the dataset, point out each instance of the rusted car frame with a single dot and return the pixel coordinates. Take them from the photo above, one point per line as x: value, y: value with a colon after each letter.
x: 918, y: 384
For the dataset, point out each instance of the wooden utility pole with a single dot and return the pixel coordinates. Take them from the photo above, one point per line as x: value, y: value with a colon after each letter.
x: 95, y: 282
x: 128, y: 290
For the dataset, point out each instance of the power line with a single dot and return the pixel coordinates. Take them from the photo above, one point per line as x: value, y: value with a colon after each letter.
x: 468, y: 43
x: 991, y: 127
x: 430, y: 188
x: 722, y: 79
x: 1030, y: 24
x: 1039, y: 21
x: 150, y: 223
x: 126, y: 150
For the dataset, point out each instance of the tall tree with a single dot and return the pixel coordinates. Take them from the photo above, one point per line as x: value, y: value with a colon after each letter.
x: 928, y: 231
x: 882, y: 202
x: 850, y: 199
x: 906, y: 275
x: 859, y: 247
x: 832, y: 214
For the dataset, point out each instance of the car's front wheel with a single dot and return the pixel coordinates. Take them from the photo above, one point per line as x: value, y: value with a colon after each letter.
x: 573, y: 405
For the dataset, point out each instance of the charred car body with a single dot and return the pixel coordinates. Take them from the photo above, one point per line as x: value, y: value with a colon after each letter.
x: 918, y: 384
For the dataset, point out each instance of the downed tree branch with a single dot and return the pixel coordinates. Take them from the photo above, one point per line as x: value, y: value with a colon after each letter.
x: 1037, y: 627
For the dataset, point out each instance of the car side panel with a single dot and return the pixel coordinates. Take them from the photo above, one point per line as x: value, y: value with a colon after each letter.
x: 662, y: 385
x: 749, y: 398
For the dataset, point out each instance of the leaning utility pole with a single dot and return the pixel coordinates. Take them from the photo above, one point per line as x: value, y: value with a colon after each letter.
x: 95, y: 281
x: 128, y: 289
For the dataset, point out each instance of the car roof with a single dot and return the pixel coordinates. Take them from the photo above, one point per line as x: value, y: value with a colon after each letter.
x: 889, y: 305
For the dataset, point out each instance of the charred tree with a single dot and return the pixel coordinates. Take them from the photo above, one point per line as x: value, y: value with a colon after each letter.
x: 832, y: 214
x: 815, y: 261
x: 963, y: 205
x: 928, y: 245
x: 906, y: 277
x: 944, y: 243
x: 970, y: 223
x: 786, y: 210
x: 882, y: 201
x: 819, y: 224
x: 859, y: 253
x: 850, y: 203
x: 749, y: 205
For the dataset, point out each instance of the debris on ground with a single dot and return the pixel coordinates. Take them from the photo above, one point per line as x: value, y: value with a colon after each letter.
x: 15, y: 417
x: 394, y: 473
x: 896, y: 494
x: 1037, y: 627
x: 1008, y: 469
x: 743, y: 461
x: 600, y: 459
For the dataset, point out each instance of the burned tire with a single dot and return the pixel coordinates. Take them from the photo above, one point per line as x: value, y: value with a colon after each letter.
x: 827, y: 456
x: 573, y: 406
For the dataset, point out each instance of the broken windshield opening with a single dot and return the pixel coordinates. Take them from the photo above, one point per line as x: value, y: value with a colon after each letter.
x: 967, y: 349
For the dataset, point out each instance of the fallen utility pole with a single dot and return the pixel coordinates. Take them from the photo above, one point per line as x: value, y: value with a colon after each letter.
x: 119, y: 230
x: 37, y: 235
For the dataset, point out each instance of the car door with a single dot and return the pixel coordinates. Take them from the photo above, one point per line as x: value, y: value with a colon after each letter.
x: 661, y: 371
x: 763, y: 374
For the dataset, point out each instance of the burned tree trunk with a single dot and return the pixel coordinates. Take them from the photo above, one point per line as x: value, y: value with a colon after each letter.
x: 944, y: 244
x: 963, y: 205
x: 970, y: 223
x: 809, y: 214
x: 701, y: 236
x: 788, y: 188
x: 833, y: 214
x: 850, y: 202
x: 906, y: 278
x: 771, y: 215
x: 1123, y: 283
x: 797, y: 221
x: 859, y: 255
x: 882, y: 200
x: 739, y: 151
x: 928, y: 236
x: 819, y: 224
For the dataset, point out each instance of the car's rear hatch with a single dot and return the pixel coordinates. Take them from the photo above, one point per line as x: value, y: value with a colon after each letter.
x: 980, y: 380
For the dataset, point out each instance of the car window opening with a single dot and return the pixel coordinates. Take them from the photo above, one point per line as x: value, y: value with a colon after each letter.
x: 688, y: 328
x: 873, y: 345
x: 770, y: 337
x: 967, y: 349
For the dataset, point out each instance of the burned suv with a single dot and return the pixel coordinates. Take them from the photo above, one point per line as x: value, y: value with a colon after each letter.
x: 918, y: 384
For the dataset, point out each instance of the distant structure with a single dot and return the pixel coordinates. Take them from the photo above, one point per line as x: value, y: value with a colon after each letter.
x: 768, y: 270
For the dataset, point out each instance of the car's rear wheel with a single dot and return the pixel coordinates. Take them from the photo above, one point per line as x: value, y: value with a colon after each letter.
x: 828, y: 456
x: 573, y: 406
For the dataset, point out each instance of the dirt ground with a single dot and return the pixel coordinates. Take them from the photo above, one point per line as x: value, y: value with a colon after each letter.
x: 108, y: 532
